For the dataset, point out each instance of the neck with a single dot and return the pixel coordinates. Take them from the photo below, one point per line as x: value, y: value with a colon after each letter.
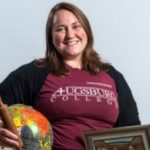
x: 74, y: 64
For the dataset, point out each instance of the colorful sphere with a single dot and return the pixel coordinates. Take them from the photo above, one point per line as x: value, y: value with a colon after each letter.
x: 34, y: 129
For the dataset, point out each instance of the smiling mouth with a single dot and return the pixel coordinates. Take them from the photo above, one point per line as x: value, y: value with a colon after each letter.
x: 71, y: 43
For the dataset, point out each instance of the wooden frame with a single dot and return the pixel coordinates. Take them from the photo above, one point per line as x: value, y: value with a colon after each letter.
x: 123, y: 138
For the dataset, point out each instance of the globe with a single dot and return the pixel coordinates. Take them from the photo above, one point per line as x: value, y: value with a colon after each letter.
x: 34, y: 129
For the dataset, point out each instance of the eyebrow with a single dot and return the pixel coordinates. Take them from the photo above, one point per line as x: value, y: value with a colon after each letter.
x: 76, y: 22
x: 62, y: 25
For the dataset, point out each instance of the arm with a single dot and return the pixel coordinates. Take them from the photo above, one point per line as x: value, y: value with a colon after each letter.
x: 11, y: 89
x: 128, y: 112
x: 23, y: 84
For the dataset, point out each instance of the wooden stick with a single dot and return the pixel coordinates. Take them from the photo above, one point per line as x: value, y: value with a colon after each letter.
x: 8, y: 121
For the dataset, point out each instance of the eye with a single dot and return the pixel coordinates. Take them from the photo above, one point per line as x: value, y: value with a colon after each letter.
x: 76, y: 26
x: 60, y: 29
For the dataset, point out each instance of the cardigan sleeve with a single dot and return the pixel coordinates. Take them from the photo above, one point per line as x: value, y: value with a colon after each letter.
x: 23, y: 84
x: 11, y: 89
x: 128, y: 112
x: 14, y: 88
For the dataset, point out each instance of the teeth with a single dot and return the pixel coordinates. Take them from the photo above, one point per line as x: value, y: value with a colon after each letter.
x: 70, y: 43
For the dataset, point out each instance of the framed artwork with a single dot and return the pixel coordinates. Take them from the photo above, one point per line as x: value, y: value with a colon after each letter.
x: 122, y: 138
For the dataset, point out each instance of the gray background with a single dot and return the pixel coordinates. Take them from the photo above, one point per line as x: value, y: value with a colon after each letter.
x: 121, y: 30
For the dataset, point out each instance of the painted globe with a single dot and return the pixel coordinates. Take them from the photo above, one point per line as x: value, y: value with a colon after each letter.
x: 34, y: 129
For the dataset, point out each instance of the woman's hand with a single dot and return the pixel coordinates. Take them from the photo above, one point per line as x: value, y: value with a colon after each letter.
x: 7, y: 138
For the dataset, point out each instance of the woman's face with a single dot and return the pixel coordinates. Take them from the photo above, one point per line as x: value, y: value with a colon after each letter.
x: 69, y: 36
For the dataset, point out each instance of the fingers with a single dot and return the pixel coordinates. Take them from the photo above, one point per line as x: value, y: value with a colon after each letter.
x: 6, y: 142
x: 8, y: 134
x: 7, y: 138
x: 1, y: 123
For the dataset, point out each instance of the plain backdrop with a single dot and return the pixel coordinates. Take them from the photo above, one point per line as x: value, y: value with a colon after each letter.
x: 121, y: 31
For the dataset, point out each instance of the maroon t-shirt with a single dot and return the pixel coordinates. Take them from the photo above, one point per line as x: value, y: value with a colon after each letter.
x: 77, y: 103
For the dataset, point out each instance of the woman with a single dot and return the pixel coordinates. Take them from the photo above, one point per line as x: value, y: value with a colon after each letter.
x: 71, y: 86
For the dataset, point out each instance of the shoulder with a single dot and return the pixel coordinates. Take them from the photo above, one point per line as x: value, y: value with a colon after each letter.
x: 118, y: 78
x: 114, y: 73
x: 29, y: 69
x: 24, y: 68
x: 26, y: 72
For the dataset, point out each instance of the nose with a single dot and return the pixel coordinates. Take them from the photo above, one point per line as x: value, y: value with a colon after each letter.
x: 69, y: 33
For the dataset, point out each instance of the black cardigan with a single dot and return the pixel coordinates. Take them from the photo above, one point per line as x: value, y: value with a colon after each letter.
x: 23, y: 86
